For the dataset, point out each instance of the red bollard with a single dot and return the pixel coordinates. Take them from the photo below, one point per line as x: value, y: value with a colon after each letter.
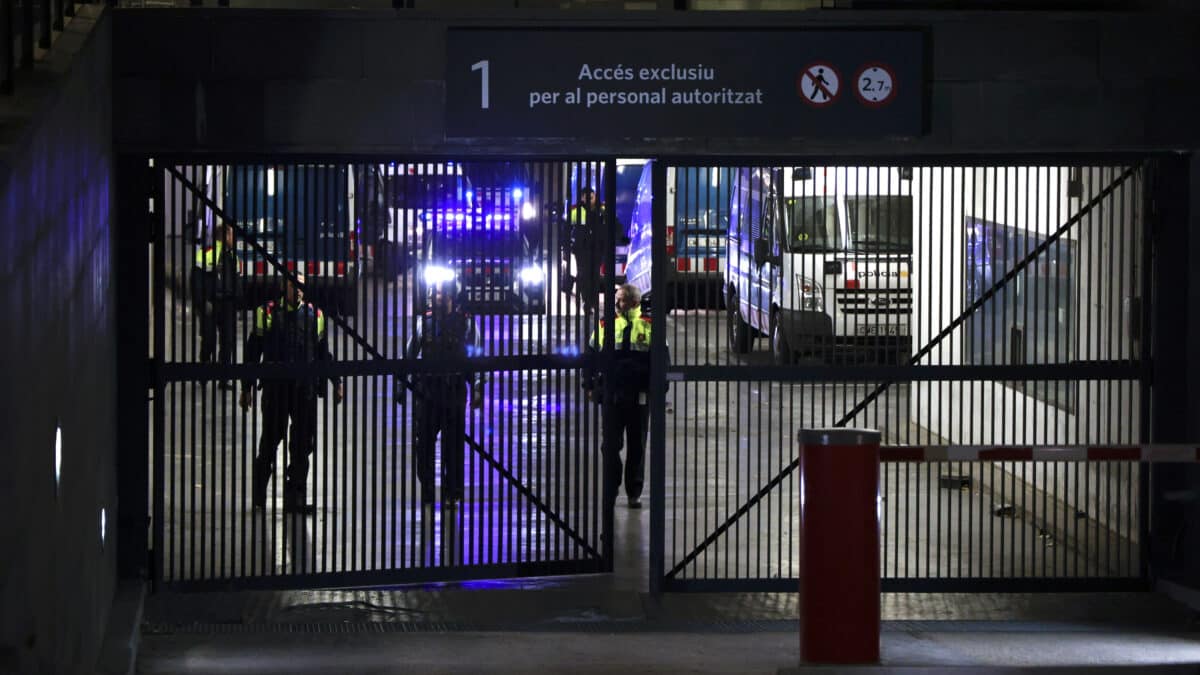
x: 839, y: 546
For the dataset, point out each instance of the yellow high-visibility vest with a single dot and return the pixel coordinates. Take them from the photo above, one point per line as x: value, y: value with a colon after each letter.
x: 639, y: 335
x: 207, y: 257
x: 263, y: 318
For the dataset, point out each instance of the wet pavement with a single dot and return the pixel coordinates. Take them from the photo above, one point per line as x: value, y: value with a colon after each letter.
x: 603, y: 623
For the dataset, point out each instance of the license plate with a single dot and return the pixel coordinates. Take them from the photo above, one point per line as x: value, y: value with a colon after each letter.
x: 880, y: 329
x: 704, y: 242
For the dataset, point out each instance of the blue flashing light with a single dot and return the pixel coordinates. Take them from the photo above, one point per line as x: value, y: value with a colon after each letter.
x: 516, y: 193
x: 477, y: 218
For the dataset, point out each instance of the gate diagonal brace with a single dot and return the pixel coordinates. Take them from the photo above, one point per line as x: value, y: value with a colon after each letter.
x: 966, y: 313
x: 271, y: 259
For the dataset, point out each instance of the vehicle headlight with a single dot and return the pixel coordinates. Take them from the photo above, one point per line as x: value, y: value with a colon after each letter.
x: 532, y: 275
x: 811, y: 296
x: 437, y: 274
x: 528, y: 212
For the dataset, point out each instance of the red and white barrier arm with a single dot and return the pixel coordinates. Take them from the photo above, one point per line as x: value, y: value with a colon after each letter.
x: 1050, y: 453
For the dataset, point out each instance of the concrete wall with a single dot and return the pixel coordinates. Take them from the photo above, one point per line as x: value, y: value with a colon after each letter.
x: 248, y: 80
x: 57, y: 576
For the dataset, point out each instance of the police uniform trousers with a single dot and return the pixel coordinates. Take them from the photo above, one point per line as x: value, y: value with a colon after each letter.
x: 440, y: 409
x: 625, y: 420
x: 281, y: 401
x: 588, y: 284
x: 217, y: 326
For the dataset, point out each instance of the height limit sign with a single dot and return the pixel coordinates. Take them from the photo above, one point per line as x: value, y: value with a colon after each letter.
x: 875, y: 85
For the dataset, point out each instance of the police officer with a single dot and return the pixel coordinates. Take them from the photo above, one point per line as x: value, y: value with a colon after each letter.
x: 217, y: 281
x: 624, y: 397
x: 590, y: 245
x: 287, y: 331
x: 445, y: 332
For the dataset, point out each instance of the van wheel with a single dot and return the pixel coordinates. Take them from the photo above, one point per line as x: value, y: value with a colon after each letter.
x: 739, y: 330
x: 780, y: 349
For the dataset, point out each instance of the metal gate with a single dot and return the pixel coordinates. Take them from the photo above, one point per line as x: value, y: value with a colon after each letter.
x: 470, y: 453
x: 1001, y: 305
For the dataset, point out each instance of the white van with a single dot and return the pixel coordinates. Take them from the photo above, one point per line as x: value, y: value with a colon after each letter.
x: 820, y: 260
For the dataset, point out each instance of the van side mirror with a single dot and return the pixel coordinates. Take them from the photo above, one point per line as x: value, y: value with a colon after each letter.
x: 762, y: 251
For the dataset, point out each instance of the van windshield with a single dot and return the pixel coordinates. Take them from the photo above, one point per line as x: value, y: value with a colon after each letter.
x: 425, y: 192
x: 461, y: 243
x: 812, y: 225
x: 313, y: 196
x: 881, y: 224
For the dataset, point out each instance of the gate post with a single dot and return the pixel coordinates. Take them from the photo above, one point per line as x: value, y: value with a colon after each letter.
x: 135, y: 229
x: 839, y: 545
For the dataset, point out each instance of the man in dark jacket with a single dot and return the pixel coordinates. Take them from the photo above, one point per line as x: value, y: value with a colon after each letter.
x: 288, y: 331
x: 446, y: 332
x: 218, y: 279
x: 591, y: 246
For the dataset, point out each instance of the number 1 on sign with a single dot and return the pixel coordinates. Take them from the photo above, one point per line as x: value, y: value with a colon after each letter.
x: 482, y: 66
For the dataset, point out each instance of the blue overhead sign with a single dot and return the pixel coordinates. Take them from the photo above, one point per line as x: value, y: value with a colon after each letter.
x: 685, y: 83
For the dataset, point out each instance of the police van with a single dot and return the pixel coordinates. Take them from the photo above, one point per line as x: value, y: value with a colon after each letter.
x: 298, y: 215
x: 819, y: 259
x: 489, y: 248
x: 697, y: 211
